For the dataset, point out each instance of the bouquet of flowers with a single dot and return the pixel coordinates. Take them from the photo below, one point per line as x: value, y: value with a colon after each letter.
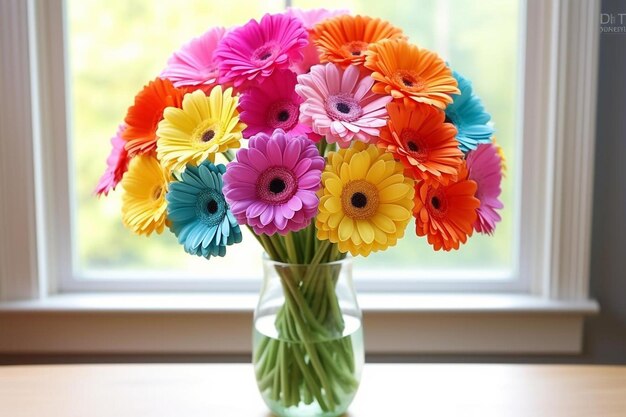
x: 351, y: 133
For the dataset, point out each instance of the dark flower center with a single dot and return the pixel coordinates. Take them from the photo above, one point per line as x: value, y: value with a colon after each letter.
x: 277, y: 185
x: 212, y: 207
x: 265, y: 52
x: 414, y: 146
x: 359, y: 200
x: 208, y: 135
x: 409, y: 80
x: 435, y: 202
x: 355, y: 48
x: 343, y: 107
x: 282, y: 116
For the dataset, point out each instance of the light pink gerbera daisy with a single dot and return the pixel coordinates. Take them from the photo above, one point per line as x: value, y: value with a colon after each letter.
x: 484, y: 165
x: 257, y: 49
x: 194, y: 65
x: 273, y: 184
x: 117, y: 164
x: 273, y: 105
x: 340, y: 105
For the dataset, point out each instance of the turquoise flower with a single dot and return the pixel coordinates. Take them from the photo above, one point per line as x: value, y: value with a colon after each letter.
x: 198, y: 212
x: 468, y: 115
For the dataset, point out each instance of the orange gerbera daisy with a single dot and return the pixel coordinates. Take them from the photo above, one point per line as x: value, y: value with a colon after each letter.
x: 446, y: 214
x: 345, y: 39
x: 418, y: 137
x: 410, y: 73
x: 142, y: 118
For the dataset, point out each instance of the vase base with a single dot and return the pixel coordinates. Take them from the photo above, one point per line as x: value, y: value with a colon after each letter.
x: 306, y: 410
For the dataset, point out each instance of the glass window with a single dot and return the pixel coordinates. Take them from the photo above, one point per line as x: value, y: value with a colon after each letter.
x: 115, y: 47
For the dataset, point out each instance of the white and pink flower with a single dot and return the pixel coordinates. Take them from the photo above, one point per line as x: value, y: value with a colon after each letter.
x: 340, y: 105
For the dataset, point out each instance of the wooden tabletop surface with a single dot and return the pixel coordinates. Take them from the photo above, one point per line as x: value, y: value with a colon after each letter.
x: 387, y: 390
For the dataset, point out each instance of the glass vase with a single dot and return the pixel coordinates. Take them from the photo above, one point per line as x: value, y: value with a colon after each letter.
x: 308, y: 340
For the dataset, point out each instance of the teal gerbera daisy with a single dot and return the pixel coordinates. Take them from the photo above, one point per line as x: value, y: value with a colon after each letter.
x: 198, y: 212
x: 468, y: 115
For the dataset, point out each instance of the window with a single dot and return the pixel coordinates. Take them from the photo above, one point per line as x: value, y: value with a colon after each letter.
x: 543, y: 101
x: 134, y: 40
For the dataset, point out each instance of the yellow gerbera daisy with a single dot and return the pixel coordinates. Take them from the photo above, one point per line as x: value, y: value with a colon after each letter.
x: 202, y: 128
x: 366, y: 201
x: 143, y: 203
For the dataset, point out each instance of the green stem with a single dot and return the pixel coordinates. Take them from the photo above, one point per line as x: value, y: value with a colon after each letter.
x: 229, y: 155
x: 292, y: 254
x: 313, y: 386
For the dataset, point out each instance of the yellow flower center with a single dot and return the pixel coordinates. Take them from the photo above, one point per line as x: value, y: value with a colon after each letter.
x: 359, y: 199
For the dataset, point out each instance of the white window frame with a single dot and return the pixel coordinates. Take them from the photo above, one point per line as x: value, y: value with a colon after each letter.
x: 542, y: 314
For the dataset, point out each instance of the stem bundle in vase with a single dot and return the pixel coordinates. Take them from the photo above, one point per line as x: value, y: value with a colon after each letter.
x: 310, y: 359
x: 352, y: 132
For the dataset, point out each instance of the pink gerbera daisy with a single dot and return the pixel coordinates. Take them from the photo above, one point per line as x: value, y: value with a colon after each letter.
x: 257, y: 49
x: 194, y: 65
x: 484, y: 165
x: 340, y: 105
x: 310, y: 18
x: 117, y: 164
x: 273, y: 105
x: 272, y: 186
x: 310, y: 57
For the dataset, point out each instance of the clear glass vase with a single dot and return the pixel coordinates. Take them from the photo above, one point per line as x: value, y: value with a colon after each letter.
x: 308, y: 339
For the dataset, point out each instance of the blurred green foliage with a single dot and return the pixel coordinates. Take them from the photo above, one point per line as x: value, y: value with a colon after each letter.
x: 117, y: 46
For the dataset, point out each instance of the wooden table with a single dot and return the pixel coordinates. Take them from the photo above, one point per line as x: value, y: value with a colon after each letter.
x: 386, y: 391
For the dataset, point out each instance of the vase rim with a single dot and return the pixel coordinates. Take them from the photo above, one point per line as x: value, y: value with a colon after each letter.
x: 344, y: 261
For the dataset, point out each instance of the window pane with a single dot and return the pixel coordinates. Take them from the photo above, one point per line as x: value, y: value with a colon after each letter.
x: 115, y: 47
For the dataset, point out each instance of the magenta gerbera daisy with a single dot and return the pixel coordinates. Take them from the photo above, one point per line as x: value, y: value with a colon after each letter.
x: 340, y: 105
x: 272, y: 186
x: 485, y: 168
x: 194, y: 64
x: 273, y: 105
x: 117, y: 164
x: 257, y: 49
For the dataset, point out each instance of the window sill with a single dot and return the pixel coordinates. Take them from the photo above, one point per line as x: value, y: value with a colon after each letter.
x: 221, y: 323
